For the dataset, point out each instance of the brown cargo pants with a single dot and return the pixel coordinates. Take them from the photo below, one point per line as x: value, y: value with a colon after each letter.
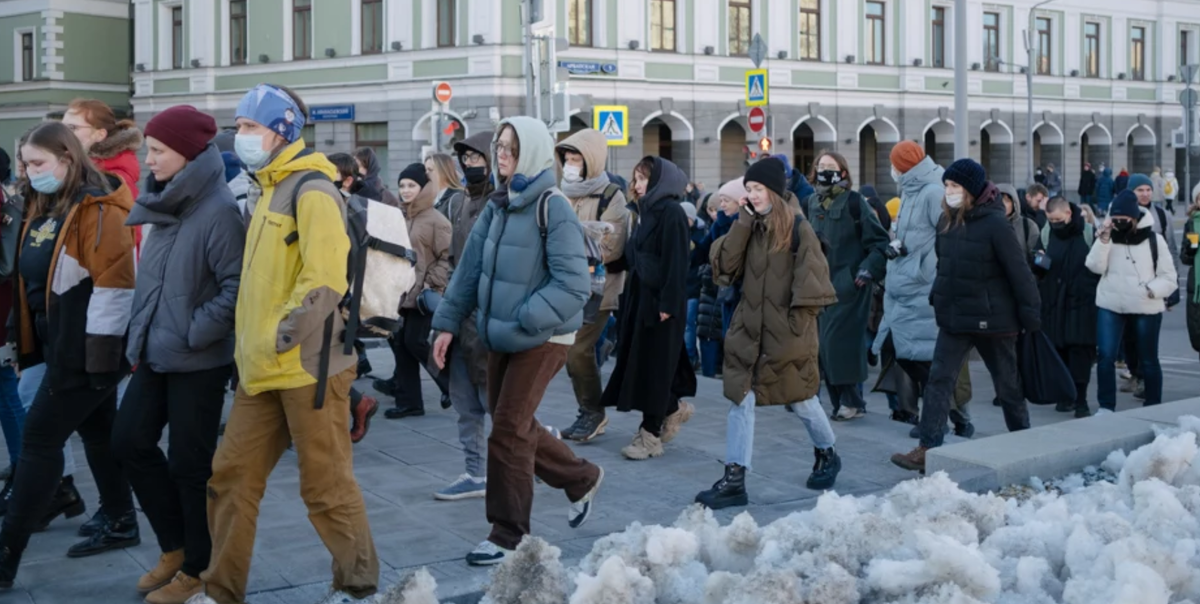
x: 258, y: 432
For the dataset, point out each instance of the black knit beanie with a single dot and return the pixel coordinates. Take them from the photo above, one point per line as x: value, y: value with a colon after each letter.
x: 415, y: 173
x: 770, y: 173
x: 969, y: 175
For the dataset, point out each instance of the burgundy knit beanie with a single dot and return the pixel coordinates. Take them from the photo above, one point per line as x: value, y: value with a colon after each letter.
x: 184, y: 129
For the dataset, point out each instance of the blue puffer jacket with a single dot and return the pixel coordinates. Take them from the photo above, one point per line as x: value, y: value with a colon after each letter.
x: 525, y: 291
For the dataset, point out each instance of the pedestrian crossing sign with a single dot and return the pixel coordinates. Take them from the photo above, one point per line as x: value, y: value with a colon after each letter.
x: 756, y: 88
x: 613, y: 122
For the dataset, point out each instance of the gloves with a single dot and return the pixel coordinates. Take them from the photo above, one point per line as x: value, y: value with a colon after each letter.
x: 863, y: 278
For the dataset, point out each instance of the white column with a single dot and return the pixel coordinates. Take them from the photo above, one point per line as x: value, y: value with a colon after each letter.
x: 428, y: 23
x: 779, y: 35
x: 143, y: 33
x: 708, y: 15
x: 632, y: 24
x: 1073, y: 44
x: 1118, y: 38
x: 222, y: 54
x: 199, y: 19
x: 51, y: 45
x: 356, y: 28
x: 287, y: 31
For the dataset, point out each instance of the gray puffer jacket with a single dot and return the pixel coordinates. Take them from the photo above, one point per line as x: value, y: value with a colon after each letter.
x: 191, y: 265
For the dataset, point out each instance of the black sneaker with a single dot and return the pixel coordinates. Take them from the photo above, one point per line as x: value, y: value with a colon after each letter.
x: 384, y: 387
x: 728, y: 492
x: 402, y: 412
x: 446, y: 401
x: 966, y: 430
x: 825, y: 470
x: 1064, y: 407
x: 120, y: 533
x: 1082, y: 412
x: 5, y: 497
x: 12, y: 546
x: 587, y: 426
x: 66, y: 502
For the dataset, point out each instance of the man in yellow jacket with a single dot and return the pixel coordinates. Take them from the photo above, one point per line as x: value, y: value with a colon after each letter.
x: 294, y: 379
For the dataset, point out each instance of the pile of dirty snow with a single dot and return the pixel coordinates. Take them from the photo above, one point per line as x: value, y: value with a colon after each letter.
x: 1130, y: 540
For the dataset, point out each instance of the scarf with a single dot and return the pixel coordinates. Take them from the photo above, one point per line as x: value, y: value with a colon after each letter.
x: 1134, y: 237
x: 832, y: 192
x: 593, y: 187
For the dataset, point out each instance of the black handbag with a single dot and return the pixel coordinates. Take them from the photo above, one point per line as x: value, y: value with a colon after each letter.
x: 1045, y: 378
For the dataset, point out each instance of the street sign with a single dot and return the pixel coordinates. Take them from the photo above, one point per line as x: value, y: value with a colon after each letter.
x: 613, y: 122
x: 1187, y: 98
x: 757, y: 119
x: 331, y: 113
x: 1188, y: 73
x: 588, y: 67
x: 756, y: 88
x: 758, y: 50
x: 442, y: 92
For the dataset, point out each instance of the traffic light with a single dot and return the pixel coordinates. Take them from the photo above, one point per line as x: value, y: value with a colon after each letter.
x: 764, y: 144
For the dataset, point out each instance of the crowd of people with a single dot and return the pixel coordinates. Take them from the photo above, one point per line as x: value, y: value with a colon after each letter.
x: 135, y: 304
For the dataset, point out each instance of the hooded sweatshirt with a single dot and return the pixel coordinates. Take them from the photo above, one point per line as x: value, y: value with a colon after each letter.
x: 525, y: 290
x: 463, y: 218
x: 1127, y: 270
x: 373, y: 180
x: 288, y: 291
x: 429, y: 233
x: 585, y: 198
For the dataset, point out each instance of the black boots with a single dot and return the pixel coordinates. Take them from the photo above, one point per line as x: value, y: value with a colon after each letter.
x: 66, y: 502
x: 117, y: 533
x: 6, y: 496
x: 728, y: 492
x: 825, y: 470
x: 12, y: 546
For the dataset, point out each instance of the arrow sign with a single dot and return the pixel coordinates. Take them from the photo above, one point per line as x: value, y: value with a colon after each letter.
x: 757, y: 119
x: 758, y: 50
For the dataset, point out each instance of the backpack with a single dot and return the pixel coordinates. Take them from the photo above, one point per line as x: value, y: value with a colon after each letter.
x: 1089, y: 234
x: 1169, y: 188
x: 1175, y: 296
x: 592, y: 250
x: 381, y: 269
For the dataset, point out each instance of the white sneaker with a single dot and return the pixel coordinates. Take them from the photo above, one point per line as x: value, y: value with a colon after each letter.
x: 200, y: 599
x: 582, y: 509
x: 488, y: 554
x: 1103, y: 411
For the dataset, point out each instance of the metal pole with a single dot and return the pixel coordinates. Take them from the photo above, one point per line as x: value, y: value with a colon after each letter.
x: 961, y: 115
x: 1029, y: 102
x: 526, y: 20
x: 1187, y: 150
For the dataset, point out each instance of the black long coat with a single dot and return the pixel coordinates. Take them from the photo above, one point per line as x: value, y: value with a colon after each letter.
x: 1068, y: 289
x: 649, y: 372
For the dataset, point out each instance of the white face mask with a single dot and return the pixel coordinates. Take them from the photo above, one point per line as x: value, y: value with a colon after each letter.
x: 571, y: 174
x: 896, y: 174
x: 954, y: 199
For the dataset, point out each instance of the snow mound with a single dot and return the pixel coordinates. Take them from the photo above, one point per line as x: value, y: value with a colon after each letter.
x: 416, y: 588
x: 533, y: 574
x: 1127, y: 532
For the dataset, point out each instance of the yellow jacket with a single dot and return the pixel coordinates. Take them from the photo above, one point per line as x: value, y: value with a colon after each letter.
x: 288, y: 290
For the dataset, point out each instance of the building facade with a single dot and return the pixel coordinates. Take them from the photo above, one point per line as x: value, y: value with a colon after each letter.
x: 855, y: 76
x: 53, y: 51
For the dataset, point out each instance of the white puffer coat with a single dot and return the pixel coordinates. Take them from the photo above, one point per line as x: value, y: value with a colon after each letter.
x: 1126, y: 271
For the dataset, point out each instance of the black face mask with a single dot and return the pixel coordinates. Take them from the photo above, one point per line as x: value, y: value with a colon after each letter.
x: 1058, y: 226
x: 475, y: 175
x: 1123, y: 226
x: 828, y: 178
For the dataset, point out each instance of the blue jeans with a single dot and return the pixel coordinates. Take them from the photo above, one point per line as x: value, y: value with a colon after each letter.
x: 1110, y: 327
x: 689, y: 330
x: 710, y: 357
x: 12, y: 414
x: 739, y: 431
x: 27, y: 389
x: 470, y: 402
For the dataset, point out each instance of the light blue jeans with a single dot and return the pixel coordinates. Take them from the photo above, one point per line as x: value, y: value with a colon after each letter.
x: 739, y: 433
x: 27, y: 387
x: 470, y: 401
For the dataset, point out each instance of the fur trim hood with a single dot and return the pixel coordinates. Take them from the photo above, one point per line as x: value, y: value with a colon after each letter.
x: 127, y: 138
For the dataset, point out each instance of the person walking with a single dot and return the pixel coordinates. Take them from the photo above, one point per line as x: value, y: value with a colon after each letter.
x: 773, y: 340
x: 1087, y: 186
x: 983, y: 297
x: 1158, y: 186
x: 1191, y: 242
x: 1144, y: 188
x: 1121, y: 183
x: 1068, y: 293
x: 1170, y: 190
x: 75, y: 281
x: 181, y: 341
x: 527, y: 290
x: 1053, y: 182
x: 294, y: 377
x: 582, y: 158
x: 468, y: 358
x: 651, y: 363
x: 430, y: 235
x: 1136, y: 277
x: 857, y: 260
x: 443, y: 175
x: 1105, y: 190
x: 1027, y: 229
x: 369, y: 170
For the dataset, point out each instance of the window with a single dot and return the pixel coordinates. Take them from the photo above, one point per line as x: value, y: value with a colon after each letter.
x: 991, y: 41
x: 27, y: 60
x: 375, y: 136
x: 662, y: 24
x: 1091, y: 50
x: 876, y: 55
x: 810, y: 30
x: 445, y: 23
x: 1185, y: 47
x: 1137, y: 54
x: 739, y: 27
x: 237, y: 32
x: 301, y: 29
x: 177, y: 37
x: 372, y: 26
x: 579, y: 22
x: 937, y: 17
x: 1043, y: 45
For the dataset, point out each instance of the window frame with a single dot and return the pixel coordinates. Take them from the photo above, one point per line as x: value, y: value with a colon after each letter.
x: 809, y: 16
x: 872, y: 22
x: 1045, y: 53
x: 367, y: 36
x: 1092, y: 42
x: 450, y: 6
x: 582, y: 23
x: 307, y: 13
x: 660, y: 7
x: 1185, y: 46
x: 742, y: 47
x: 1137, y: 53
x: 937, y: 24
x: 28, y: 62
x: 990, y: 62
x: 234, y: 20
x: 176, y: 36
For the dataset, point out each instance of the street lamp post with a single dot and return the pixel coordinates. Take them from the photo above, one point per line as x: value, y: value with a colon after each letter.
x: 961, y: 115
x: 1029, y: 33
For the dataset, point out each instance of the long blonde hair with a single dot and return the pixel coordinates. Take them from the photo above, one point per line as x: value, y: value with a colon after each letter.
x: 447, y: 171
x: 780, y: 222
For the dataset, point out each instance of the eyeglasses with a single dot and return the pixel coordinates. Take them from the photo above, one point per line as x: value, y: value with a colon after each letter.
x: 472, y: 158
x: 508, y: 149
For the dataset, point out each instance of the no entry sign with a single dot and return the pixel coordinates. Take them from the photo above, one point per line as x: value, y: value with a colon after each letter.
x: 757, y: 119
x: 442, y: 92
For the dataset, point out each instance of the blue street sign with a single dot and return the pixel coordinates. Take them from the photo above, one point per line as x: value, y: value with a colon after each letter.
x: 613, y: 122
x: 588, y: 67
x: 756, y: 88
x: 331, y: 113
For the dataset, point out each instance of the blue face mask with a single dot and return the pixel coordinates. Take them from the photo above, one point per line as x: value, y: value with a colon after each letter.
x: 249, y: 149
x: 46, y: 182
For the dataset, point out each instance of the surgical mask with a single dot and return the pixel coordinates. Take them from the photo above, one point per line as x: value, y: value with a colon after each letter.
x: 954, y: 200
x: 828, y: 178
x: 571, y: 174
x: 249, y: 149
x: 46, y: 182
x: 896, y: 174
x: 475, y: 175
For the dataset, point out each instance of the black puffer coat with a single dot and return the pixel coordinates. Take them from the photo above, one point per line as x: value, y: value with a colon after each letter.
x: 1068, y: 289
x: 1190, y: 295
x: 708, y: 319
x: 983, y: 284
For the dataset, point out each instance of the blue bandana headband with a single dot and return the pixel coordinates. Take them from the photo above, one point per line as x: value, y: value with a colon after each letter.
x: 274, y: 109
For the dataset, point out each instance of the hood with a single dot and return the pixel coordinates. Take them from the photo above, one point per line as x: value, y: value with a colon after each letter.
x: 667, y: 181
x: 480, y: 142
x: 193, y: 182
x: 233, y: 165
x: 372, y: 165
x: 1195, y: 192
x: 292, y: 159
x: 121, y: 196
x: 592, y: 145
x: 423, y: 201
x: 1011, y: 192
x: 1106, y: 173
x: 734, y: 189
x: 868, y: 191
x: 535, y: 166
x: 119, y: 141
x: 988, y: 202
x: 1170, y: 175
x: 925, y: 173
